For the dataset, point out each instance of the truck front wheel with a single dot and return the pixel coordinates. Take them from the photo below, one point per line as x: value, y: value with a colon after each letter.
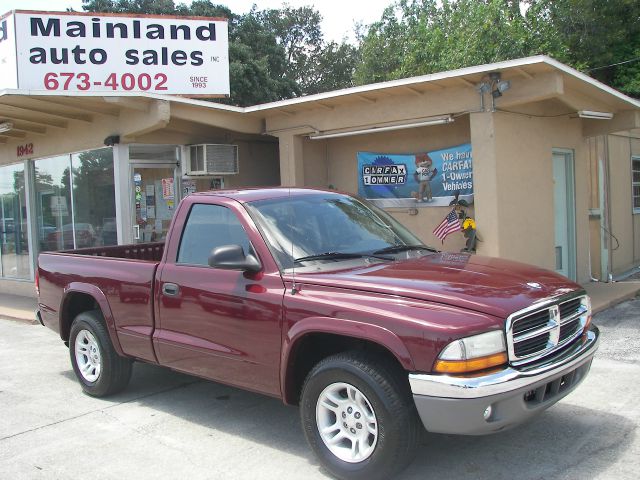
x: 358, y: 417
x: 99, y: 368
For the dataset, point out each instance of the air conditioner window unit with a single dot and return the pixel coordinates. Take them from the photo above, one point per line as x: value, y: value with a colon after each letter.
x: 213, y: 159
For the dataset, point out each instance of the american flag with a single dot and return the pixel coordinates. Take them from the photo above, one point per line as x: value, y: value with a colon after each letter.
x: 449, y: 225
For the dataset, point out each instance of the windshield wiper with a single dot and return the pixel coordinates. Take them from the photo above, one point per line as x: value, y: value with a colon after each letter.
x: 341, y: 256
x: 403, y: 248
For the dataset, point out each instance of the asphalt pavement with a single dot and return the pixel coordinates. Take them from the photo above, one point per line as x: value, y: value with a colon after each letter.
x: 167, y: 425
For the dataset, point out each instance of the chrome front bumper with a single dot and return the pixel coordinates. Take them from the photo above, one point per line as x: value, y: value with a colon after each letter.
x: 449, y: 404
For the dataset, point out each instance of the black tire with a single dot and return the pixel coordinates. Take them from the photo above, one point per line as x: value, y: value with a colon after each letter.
x: 387, y: 391
x: 114, y: 371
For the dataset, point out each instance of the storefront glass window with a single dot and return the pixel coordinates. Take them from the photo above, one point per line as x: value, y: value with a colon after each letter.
x: 75, y: 200
x: 94, y: 206
x: 53, y: 203
x: 13, y: 222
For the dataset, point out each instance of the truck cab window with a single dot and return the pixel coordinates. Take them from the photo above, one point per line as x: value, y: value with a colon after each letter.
x: 208, y: 227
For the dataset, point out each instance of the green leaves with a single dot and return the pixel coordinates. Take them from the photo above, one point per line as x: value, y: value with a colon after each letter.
x: 419, y: 37
x: 416, y: 37
x: 281, y: 53
x: 593, y: 35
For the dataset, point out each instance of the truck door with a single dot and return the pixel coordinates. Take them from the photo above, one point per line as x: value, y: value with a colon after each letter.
x: 220, y: 324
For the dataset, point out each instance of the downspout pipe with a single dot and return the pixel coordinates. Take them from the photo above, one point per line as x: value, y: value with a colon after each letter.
x: 605, y: 217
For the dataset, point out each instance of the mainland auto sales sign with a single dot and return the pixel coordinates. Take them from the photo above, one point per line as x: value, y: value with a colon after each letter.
x: 114, y: 53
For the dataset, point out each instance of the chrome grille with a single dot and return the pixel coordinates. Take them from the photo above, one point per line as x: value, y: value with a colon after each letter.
x: 540, y: 330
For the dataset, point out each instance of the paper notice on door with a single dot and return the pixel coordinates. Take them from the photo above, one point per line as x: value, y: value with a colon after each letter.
x: 167, y: 188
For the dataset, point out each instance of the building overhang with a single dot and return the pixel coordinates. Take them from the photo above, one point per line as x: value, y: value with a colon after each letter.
x: 539, y: 86
x: 34, y: 114
x: 536, y: 83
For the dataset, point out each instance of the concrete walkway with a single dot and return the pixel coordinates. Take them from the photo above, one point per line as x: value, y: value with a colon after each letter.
x: 603, y: 296
x: 17, y: 307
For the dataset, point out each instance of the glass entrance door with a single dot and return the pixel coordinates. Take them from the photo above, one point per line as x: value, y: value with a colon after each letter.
x: 154, y: 199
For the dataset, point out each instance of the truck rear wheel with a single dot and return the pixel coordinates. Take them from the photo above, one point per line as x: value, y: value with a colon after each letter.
x: 99, y: 368
x: 358, y: 417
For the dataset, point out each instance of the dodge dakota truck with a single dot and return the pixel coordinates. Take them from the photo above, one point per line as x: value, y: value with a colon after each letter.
x: 326, y: 302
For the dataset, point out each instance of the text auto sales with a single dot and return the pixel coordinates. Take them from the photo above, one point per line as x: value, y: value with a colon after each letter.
x: 99, y: 29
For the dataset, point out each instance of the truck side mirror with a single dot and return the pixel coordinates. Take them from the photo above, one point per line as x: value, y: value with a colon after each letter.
x: 232, y: 257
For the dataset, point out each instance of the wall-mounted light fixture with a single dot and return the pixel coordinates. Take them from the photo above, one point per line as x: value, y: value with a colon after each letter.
x: 6, y: 126
x: 595, y: 115
x: 500, y: 87
x: 112, y: 140
x: 494, y: 85
x: 349, y: 133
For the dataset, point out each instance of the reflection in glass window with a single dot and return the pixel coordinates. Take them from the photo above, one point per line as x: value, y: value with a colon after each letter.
x: 208, y: 227
x: 13, y: 222
x: 94, y: 206
x: 53, y: 203
x: 337, y: 223
x: 75, y: 200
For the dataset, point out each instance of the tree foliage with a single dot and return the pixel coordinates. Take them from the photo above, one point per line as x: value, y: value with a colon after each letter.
x: 280, y: 53
x: 425, y: 36
x: 416, y: 37
x: 594, y: 36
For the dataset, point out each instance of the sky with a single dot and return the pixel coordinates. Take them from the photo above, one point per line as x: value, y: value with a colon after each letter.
x: 339, y: 16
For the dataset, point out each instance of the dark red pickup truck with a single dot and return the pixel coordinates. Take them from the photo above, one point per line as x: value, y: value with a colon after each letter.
x: 326, y: 302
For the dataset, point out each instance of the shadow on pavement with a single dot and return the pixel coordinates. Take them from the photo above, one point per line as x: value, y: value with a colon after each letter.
x: 566, y: 441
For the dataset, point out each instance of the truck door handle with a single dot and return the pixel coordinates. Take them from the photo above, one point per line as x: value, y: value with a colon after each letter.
x: 170, y: 289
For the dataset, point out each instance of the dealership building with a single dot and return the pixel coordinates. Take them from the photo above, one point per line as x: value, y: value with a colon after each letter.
x: 554, y: 179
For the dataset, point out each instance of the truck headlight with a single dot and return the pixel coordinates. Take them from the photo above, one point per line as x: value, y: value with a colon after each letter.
x: 471, y: 354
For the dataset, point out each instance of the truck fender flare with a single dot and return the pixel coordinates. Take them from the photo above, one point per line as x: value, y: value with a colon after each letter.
x: 347, y: 328
x: 103, y: 304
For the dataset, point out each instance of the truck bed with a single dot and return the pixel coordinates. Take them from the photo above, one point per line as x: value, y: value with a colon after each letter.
x: 136, y: 251
x: 121, y: 278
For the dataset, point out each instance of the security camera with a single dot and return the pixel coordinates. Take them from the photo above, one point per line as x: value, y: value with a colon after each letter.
x: 112, y: 140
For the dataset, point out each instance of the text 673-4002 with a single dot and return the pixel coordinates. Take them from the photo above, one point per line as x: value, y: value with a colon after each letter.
x: 113, y: 81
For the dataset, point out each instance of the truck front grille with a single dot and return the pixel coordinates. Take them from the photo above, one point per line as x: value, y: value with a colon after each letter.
x: 540, y: 330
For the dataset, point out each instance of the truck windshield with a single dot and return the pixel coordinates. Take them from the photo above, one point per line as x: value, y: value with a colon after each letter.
x: 329, y: 228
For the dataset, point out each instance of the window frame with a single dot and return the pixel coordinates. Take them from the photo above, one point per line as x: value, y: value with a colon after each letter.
x: 635, y: 167
x: 184, y: 229
x: 28, y: 219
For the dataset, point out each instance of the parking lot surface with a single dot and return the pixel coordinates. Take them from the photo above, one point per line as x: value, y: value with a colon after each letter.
x: 167, y: 425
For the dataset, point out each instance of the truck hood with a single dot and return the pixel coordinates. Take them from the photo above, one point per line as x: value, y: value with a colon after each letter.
x: 484, y: 284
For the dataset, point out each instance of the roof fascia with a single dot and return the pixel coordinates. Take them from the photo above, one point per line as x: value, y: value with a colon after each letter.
x: 520, y: 62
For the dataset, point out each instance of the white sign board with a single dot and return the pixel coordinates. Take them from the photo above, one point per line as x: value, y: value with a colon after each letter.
x: 8, y: 64
x: 115, y: 53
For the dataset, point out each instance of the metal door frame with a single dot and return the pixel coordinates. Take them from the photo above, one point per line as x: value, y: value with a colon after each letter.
x: 570, y: 188
x: 133, y: 164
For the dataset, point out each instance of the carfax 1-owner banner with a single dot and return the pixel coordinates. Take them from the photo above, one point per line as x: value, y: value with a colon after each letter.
x: 416, y: 180
x: 114, y: 53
